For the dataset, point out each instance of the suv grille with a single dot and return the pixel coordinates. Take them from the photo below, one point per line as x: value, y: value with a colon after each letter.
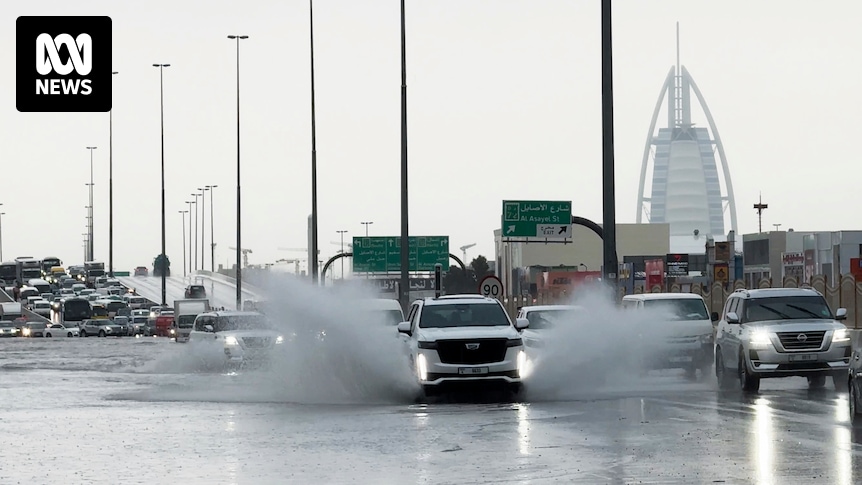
x: 801, y: 340
x: 456, y: 351
x: 255, y: 342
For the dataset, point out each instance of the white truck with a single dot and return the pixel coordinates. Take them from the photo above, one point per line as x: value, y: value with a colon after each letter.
x: 185, y: 312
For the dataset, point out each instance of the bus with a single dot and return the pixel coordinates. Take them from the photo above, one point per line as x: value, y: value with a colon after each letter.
x: 49, y: 263
x: 75, y: 310
x: 28, y: 269
x: 8, y: 273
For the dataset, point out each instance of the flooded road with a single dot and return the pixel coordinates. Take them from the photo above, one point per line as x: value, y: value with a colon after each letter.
x: 137, y: 411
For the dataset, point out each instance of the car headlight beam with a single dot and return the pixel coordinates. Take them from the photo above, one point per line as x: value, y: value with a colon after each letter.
x: 421, y: 367
x: 841, y: 335
x: 231, y: 340
x: 279, y: 340
x: 759, y: 338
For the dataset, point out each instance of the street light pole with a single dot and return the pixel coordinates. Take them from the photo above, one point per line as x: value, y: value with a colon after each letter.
x: 162, y: 115
x: 342, y: 251
x: 404, y: 287
x: 183, y: 213
x: 314, y: 244
x: 196, y: 230
x: 366, y: 224
x: 1, y: 234
x: 203, y: 226
x: 212, y: 230
x: 190, y: 234
x: 238, y: 191
x: 609, y: 224
x: 90, y: 236
x: 111, y: 189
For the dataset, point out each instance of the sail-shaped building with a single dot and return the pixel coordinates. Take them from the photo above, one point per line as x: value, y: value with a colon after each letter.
x: 690, y: 187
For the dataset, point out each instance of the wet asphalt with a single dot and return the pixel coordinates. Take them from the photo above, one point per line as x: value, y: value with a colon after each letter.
x: 134, y: 411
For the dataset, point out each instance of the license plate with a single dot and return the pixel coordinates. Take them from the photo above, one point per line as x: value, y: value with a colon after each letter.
x: 802, y: 357
x: 472, y: 371
x: 682, y: 358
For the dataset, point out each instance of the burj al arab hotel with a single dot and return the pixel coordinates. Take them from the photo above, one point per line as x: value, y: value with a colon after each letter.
x: 688, y: 190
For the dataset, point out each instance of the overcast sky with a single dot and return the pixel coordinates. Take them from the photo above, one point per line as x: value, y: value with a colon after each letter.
x: 504, y: 102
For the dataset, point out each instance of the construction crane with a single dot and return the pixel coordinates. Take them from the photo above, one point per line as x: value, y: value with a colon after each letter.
x: 349, y: 246
x: 245, y: 253
x: 464, y: 252
x: 295, y: 261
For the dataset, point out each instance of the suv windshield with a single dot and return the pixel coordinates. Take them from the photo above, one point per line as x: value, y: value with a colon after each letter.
x: 463, y: 315
x: 542, y: 319
x: 786, y: 308
x: 682, y: 309
x: 245, y: 322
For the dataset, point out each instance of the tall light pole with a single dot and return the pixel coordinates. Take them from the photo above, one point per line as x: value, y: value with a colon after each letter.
x: 87, y: 235
x: 1, y: 234
x: 111, y: 189
x: 189, y: 203
x: 404, y: 296
x: 203, y: 226
x: 212, y: 231
x: 196, y: 229
x: 366, y: 224
x: 238, y: 191
x: 162, y: 115
x: 313, y: 268
x: 183, y: 213
x: 90, y: 249
x: 342, y: 251
x: 609, y: 224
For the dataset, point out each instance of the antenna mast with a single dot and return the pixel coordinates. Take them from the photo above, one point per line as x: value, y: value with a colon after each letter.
x: 759, y: 207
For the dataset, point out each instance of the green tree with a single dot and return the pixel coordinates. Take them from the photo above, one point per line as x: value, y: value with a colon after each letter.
x: 161, y: 263
x: 457, y: 281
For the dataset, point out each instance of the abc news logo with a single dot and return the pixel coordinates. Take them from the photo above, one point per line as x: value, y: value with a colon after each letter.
x: 71, y: 69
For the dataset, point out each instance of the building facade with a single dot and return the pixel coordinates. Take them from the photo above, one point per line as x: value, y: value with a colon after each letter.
x: 584, y: 252
x: 690, y: 189
x: 777, y: 254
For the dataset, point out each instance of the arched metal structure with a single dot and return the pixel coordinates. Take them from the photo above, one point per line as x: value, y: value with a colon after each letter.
x: 583, y: 221
x: 680, y: 196
x: 344, y: 255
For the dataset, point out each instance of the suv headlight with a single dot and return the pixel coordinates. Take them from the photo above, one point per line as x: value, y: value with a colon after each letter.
x: 706, y: 339
x: 514, y: 342
x: 230, y: 340
x: 759, y: 339
x: 422, y: 344
x: 279, y: 340
x: 841, y: 335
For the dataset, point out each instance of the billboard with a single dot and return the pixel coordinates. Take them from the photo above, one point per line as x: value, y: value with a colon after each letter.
x: 654, y: 273
x: 792, y: 265
x: 677, y: 265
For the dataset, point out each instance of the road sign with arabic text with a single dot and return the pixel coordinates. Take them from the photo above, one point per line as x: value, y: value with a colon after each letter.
x: 383, y: 254
x: 537, y: 218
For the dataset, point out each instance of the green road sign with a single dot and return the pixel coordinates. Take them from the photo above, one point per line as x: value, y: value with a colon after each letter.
x: 537, y: 218
x: 383, y: 254
x: 122, y: 273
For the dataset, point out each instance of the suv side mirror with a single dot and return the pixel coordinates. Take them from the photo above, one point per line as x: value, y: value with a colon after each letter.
x: 841, y: 314
x: 714, y: 316
x: 404, y: 327
x: 208, y: 328
x: 521, y: 323
x: 732, y: 317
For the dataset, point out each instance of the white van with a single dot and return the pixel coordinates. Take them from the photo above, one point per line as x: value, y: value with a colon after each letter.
x: 386, y: 309
x: 676, y: 331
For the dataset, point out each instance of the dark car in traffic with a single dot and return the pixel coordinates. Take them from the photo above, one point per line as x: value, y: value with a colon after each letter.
x: 196, y: 291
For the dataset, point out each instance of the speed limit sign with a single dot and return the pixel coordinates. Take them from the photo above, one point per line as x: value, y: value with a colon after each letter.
x: 491, y: 286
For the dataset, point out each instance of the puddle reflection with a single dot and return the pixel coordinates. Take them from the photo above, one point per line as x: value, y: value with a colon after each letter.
x: 523, y: 428
x: 764, y: 451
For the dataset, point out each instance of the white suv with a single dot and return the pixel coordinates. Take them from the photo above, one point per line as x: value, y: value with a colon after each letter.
x: 780, y: 332
x: 233, y: 339
x: 464, y: 339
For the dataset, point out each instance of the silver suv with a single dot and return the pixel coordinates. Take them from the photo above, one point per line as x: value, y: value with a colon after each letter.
x: 780, y: 332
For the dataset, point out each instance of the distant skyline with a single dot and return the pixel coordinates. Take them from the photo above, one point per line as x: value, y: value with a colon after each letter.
x: 504, y: 102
